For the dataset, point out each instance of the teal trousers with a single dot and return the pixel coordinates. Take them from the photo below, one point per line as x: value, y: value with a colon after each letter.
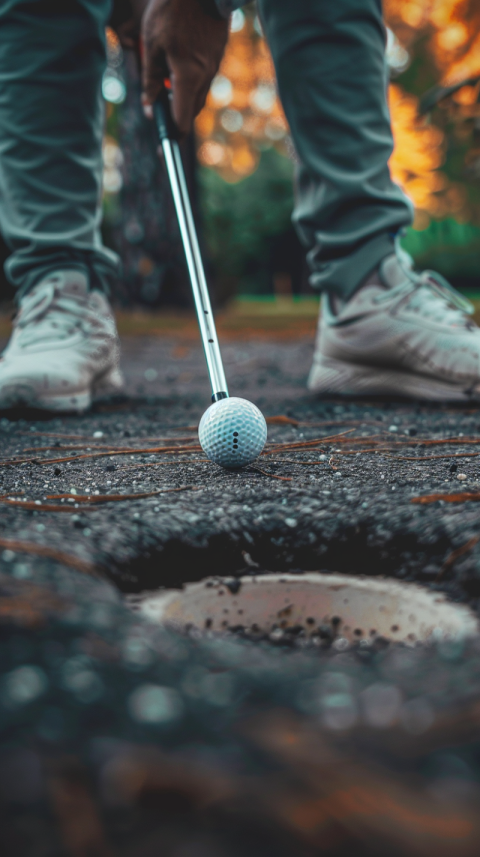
x: 329, y: 59
x: 52, y: 58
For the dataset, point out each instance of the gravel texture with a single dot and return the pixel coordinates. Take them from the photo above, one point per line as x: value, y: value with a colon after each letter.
x: 118, y: 738
x: 344, y: 512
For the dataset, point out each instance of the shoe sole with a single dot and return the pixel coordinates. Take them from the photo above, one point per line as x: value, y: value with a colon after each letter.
x: 335, y: 377
x: 24, y: 395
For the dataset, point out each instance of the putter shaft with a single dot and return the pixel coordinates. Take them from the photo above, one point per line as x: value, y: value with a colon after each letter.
x: 178, y: 184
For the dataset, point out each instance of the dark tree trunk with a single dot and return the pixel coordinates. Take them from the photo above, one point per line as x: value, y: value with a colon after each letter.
x: 145, y: 231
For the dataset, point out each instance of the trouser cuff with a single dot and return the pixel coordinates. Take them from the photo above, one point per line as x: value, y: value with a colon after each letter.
x: 343, y: 276
x: 102, y: 268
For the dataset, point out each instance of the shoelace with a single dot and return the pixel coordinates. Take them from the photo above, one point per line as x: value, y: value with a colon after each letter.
x: 435, y: 283
x: 54, y: 308
x: 445, y: 290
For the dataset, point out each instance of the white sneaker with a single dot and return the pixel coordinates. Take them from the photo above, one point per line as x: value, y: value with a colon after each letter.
x: 64, y: 349
x: 401, y: 334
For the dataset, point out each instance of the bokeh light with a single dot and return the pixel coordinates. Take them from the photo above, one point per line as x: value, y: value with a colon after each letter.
x: 112, y: 163
x: 452, y: 28
x: 113, y: 89
x: 113, y: 86
x: 447, y: 33
x: 243, y: 115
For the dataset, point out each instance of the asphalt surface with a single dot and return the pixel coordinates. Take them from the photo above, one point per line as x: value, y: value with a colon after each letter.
x: 119, y: 738
x: 343, y: 509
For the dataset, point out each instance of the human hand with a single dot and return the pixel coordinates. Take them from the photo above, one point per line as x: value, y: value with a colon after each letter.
x: 186, y: 44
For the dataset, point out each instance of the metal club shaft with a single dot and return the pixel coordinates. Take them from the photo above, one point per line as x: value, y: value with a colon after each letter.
x: 196, y: 271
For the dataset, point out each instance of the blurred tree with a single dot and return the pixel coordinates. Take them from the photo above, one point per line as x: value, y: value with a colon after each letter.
x: 247, y: 226
x: 438, y: 89
x: 242, y: 132
x: 139, y: 218
x: 243, y: 115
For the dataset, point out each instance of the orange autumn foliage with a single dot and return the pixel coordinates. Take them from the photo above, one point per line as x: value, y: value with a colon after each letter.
x: 243, y: 113
x: 452, y: 28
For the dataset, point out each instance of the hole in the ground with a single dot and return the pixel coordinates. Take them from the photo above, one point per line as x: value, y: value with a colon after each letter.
x: 177, y: 561
x: 353, y: 609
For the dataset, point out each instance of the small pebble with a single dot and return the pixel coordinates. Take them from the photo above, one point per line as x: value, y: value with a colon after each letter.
x: 393, y: 428
x: 341, y: 644
x: 276, y: 635
x: 21, y: 571
x: 461, y: 477
x: 97, y: 434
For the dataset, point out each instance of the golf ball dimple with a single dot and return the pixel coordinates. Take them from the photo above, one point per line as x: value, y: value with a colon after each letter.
x: 232, y: 432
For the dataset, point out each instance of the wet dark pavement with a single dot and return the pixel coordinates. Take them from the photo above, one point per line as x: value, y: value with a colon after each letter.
x: 119, y: 738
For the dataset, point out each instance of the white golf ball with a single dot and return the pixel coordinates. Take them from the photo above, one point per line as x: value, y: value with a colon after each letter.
x: 232, y: 432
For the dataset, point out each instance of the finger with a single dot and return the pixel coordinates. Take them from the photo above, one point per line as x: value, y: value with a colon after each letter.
x: 152, y: 86
x: 154, y: 71
x: 185, y: 97
x: 202, y: 97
